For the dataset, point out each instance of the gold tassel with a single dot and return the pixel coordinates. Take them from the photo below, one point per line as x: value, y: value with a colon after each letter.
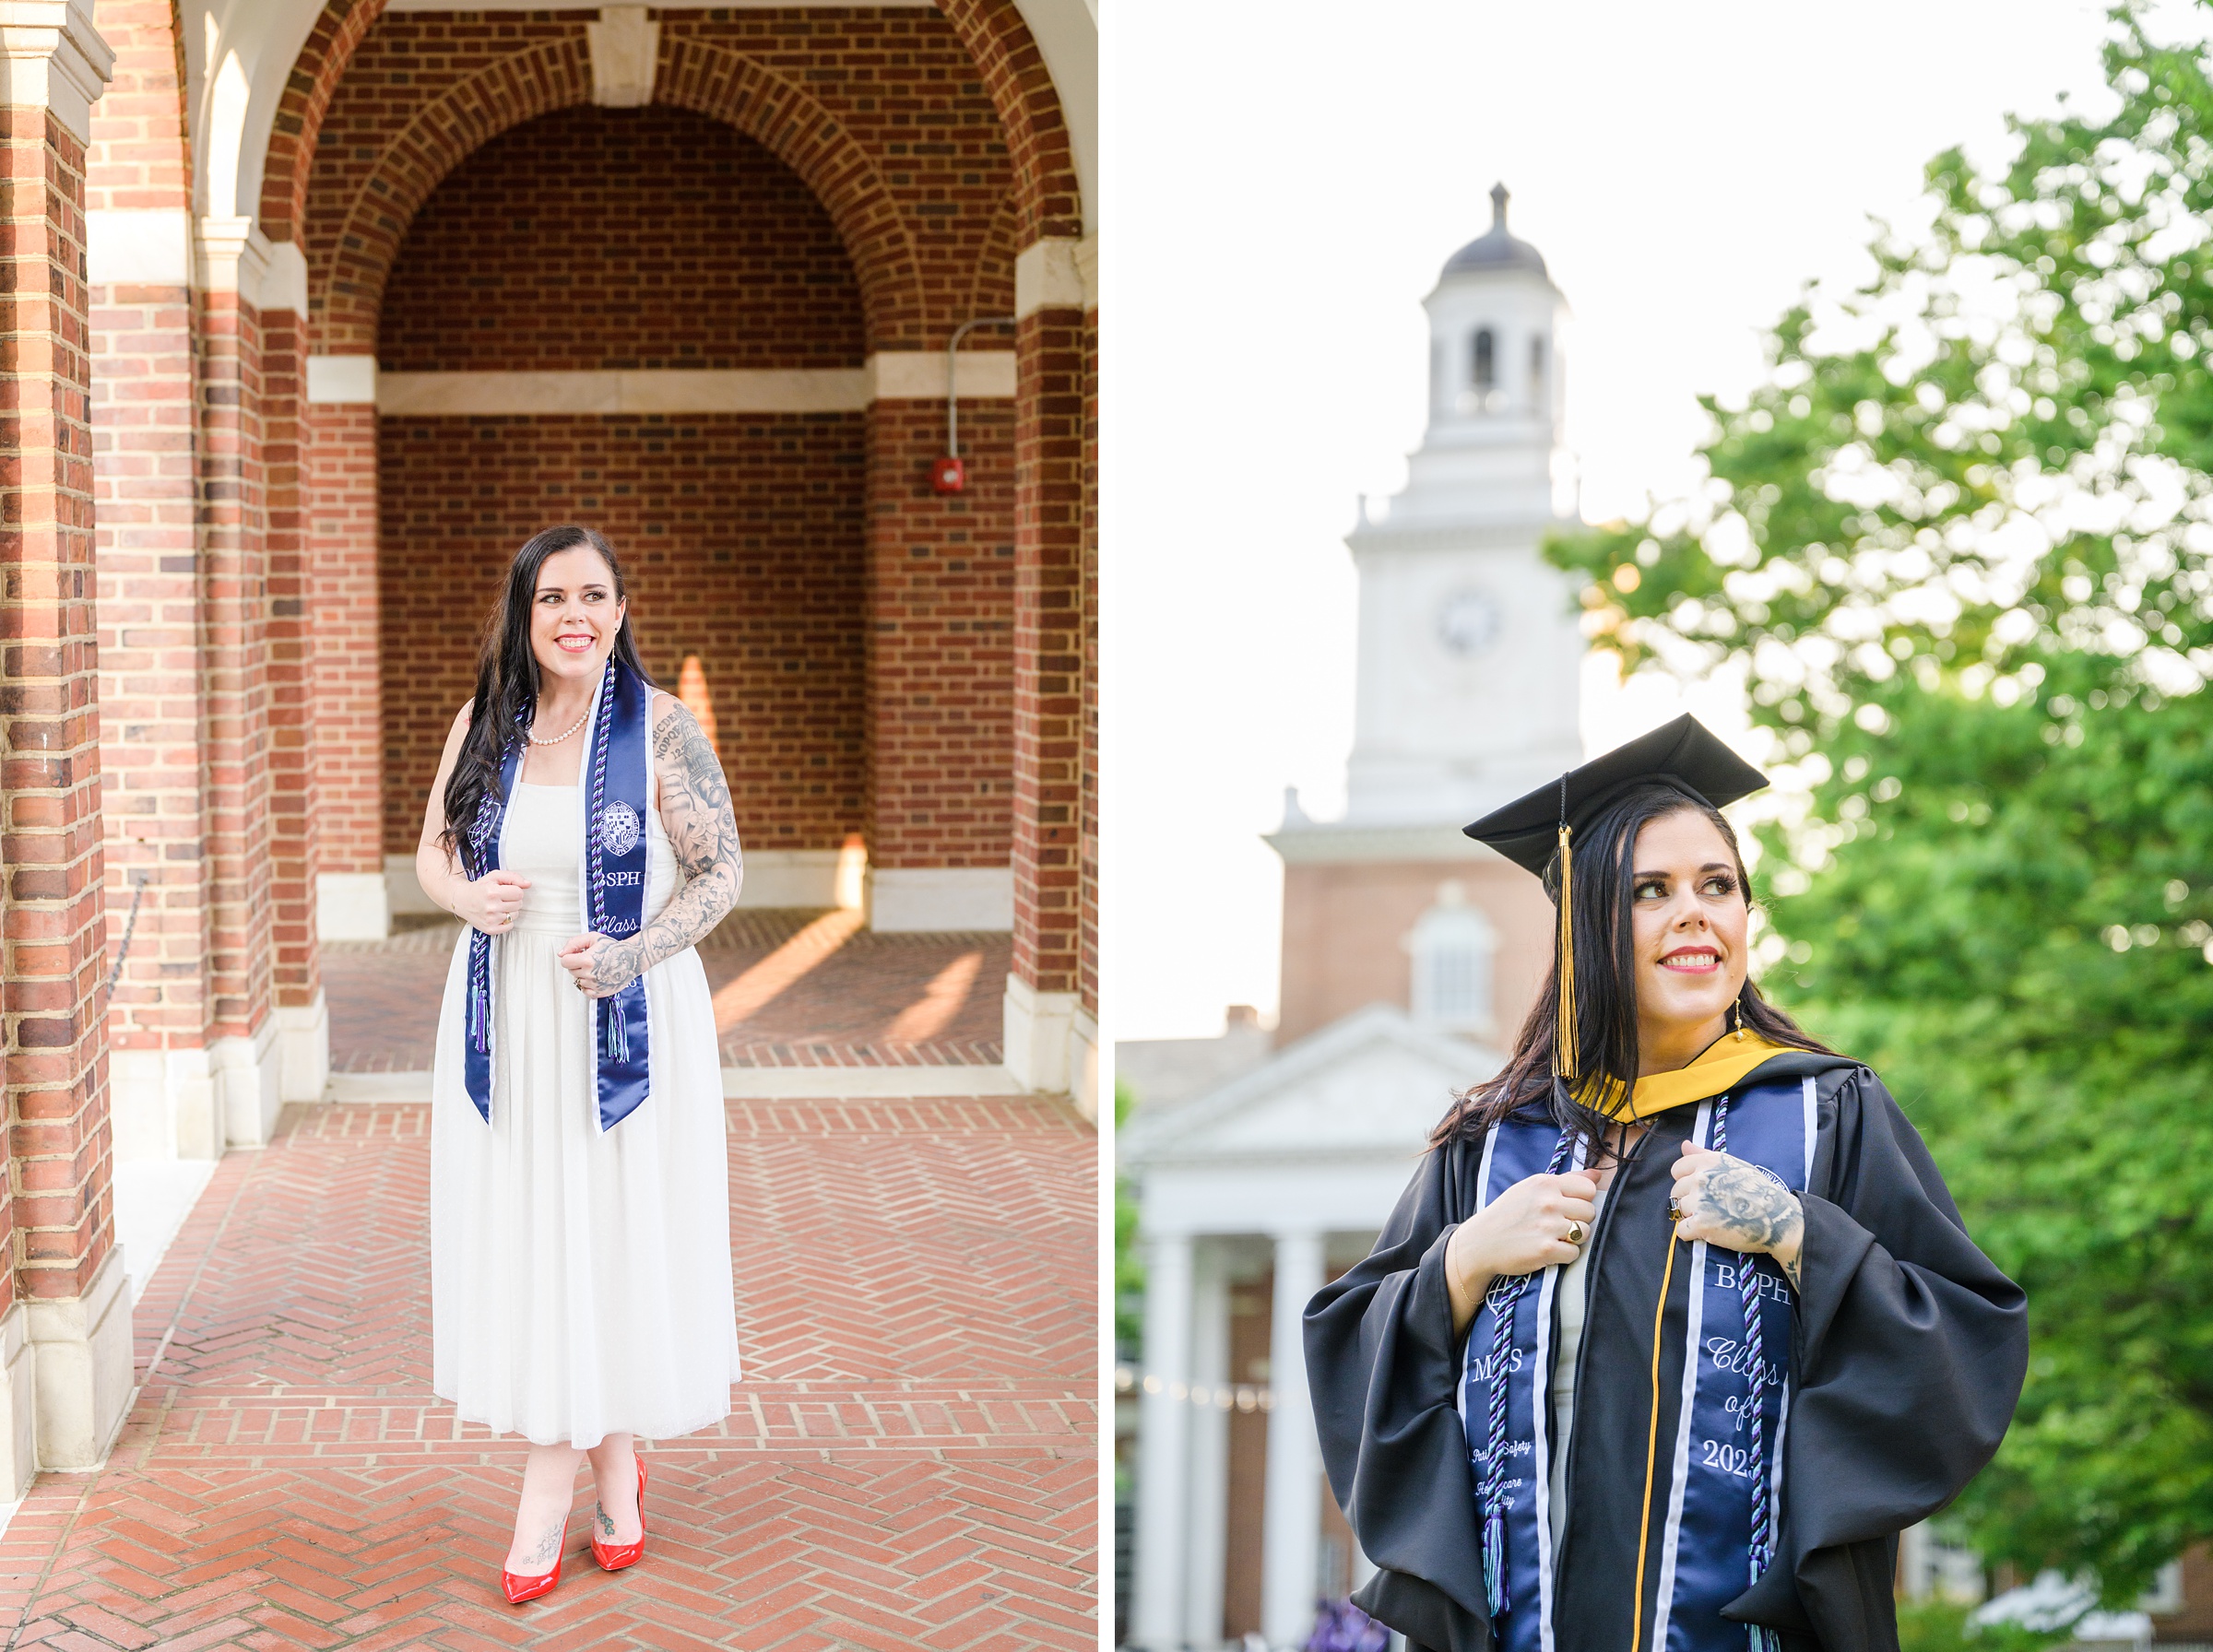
x: 1563, y: 1036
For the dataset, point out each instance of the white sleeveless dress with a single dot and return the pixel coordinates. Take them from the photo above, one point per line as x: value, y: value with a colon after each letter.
x: 580, y: 1281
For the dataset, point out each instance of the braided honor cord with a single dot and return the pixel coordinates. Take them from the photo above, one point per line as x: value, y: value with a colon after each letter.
x: 1502, y: 1298
x: 618, y: 1039
x: 1762, y: 1550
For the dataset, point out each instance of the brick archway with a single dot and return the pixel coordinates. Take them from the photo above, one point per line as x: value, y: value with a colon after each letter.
x: 553, y: 74
x: 779, y: 115
x: 1021, y: 89
x: 696, y: 75
x: 298, y: 120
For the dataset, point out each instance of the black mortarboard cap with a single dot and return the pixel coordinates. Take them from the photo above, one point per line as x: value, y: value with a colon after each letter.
x: 1685, y: 754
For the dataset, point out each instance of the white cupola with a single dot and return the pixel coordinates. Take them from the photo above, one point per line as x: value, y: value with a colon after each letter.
x: 1470, y: 654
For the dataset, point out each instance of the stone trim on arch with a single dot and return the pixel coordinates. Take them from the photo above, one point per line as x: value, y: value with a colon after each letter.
x: 779, y: 115
x: 1021, y: 89
x: 309, y: 87
x: 538, y: 80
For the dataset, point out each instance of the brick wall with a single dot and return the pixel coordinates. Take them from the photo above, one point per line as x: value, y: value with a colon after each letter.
x: 1345, y: 926
x: 625, y: 238
x: 743, y: 540
x: 145, y: 490
x: 55, y: 1210
x: 293, y: 803
x: 940, y: 638
x: 235, y: 618
x: 342, y: 611
x: 1050, y: 645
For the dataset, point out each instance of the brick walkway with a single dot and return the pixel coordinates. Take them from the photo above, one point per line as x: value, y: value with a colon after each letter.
x: 791, y: 989
x: 911, y: 1464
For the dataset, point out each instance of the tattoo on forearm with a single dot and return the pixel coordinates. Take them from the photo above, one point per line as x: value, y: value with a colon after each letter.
x: 696, y: 814
x: 1760, y: 1213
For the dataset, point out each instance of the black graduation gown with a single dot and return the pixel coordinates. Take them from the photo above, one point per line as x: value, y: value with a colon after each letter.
x: 1908, y: 1353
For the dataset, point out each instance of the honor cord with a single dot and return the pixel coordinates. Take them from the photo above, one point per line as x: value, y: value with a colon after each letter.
x: 1503, y: 1298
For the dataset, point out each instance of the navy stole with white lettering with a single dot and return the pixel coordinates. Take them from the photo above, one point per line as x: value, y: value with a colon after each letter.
x: 1707, y: 1557
x: 1516, y: 1148
x: 611, y: 874
x: 615, y: 853
x: 1724, y: 1497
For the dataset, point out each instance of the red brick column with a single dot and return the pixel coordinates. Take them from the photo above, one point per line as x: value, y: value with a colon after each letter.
x: 1049, y: 657
x: 235, y: 626
x: 302, y: 1022
x: 145, y: 490
x: 347, y: 679
x: 55, y: 1210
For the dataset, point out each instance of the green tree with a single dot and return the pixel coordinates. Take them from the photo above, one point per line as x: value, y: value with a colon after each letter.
x: 1128, y: 1266
x: 1960, y: 547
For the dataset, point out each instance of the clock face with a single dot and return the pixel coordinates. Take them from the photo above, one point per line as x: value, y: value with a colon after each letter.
x: 1467, y: 624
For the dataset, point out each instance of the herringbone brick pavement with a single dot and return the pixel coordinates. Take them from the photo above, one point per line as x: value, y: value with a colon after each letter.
x: 791, y: 989
x: 911, y: 1461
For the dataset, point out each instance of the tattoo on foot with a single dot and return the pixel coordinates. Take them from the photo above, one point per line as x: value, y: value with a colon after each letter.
x: 603, y: 1520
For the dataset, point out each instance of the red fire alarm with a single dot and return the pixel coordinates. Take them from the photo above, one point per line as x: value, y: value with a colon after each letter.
x: 948, y: 476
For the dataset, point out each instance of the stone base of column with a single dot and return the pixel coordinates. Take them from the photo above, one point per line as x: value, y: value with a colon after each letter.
x: 933, y: 900
x: 19, y: 1405
x: 249, y: 1085
x: 1084, y: 1063
x: 162, y: 1105
x: 304, y: 1050
x: 1039, y: 1029
x: 352, y: 906
x: 81, y: 1368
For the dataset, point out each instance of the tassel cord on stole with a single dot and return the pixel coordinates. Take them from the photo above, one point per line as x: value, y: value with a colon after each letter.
x: 1503, y: 1299
x: 1761, y: 1549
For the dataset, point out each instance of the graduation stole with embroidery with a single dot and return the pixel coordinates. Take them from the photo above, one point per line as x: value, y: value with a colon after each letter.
x: 1722, y: 1484
x: 611, y: 872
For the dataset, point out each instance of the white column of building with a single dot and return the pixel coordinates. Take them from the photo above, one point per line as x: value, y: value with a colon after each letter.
x: 1209, y: 1448
x: 1291, y: 1527
x: 1162, y: 1446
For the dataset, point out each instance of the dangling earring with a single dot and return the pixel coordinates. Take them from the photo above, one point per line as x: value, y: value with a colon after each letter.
x: 1737, y: 1010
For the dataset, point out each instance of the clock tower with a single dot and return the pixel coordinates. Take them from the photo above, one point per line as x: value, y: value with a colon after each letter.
x: 1470, y: 659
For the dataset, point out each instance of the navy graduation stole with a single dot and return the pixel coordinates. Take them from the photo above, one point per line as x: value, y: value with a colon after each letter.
x: 611, y: 873
x: 1725, y: 1483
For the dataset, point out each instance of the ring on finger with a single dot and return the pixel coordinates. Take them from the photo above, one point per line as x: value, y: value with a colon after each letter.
x: 1577, y: 1233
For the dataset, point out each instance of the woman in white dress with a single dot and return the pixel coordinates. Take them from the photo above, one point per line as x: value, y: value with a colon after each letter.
x: 580, y: 1278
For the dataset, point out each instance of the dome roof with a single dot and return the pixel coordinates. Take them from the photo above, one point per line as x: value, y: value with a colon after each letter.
x: 1495, y: 249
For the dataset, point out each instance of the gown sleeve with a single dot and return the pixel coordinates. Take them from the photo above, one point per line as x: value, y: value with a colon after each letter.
x: 1383, y: 1372
x: 1911, y: 1350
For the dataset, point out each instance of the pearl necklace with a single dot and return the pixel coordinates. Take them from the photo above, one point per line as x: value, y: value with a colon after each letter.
x: 564, y: 735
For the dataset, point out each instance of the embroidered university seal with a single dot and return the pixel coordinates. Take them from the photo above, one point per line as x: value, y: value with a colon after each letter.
x: 617, y: 829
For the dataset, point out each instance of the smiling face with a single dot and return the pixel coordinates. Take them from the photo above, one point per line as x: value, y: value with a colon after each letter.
x: 574, y: 617
x: 1689, y: 920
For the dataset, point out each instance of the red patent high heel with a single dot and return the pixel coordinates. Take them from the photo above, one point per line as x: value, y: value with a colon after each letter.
x: 613, y: 1557
x: 521, y: 1588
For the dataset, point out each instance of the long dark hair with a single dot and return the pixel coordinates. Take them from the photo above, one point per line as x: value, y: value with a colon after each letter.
x: 1606, y: 982
x: 507, y: 675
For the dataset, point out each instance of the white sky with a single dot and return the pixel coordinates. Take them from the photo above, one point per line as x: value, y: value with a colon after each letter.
x: 1282, y: 183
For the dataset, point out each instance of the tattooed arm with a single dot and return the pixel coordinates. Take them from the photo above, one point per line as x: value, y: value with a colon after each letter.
x: 1730, y: 1203
x: 696, y: 812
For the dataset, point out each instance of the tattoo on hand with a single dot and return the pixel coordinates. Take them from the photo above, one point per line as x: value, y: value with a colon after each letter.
x: 1751, y: 1208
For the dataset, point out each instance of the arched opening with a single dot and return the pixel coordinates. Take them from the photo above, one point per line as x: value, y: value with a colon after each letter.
x: 1482, y: 367
x: 649, y: 241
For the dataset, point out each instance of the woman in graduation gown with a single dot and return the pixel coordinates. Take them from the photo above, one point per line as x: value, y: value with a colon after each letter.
x: 1675, y: 1327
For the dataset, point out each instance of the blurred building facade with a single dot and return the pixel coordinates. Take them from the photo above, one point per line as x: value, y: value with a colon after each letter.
x: 1410, y: 954
x: 317, y: 309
